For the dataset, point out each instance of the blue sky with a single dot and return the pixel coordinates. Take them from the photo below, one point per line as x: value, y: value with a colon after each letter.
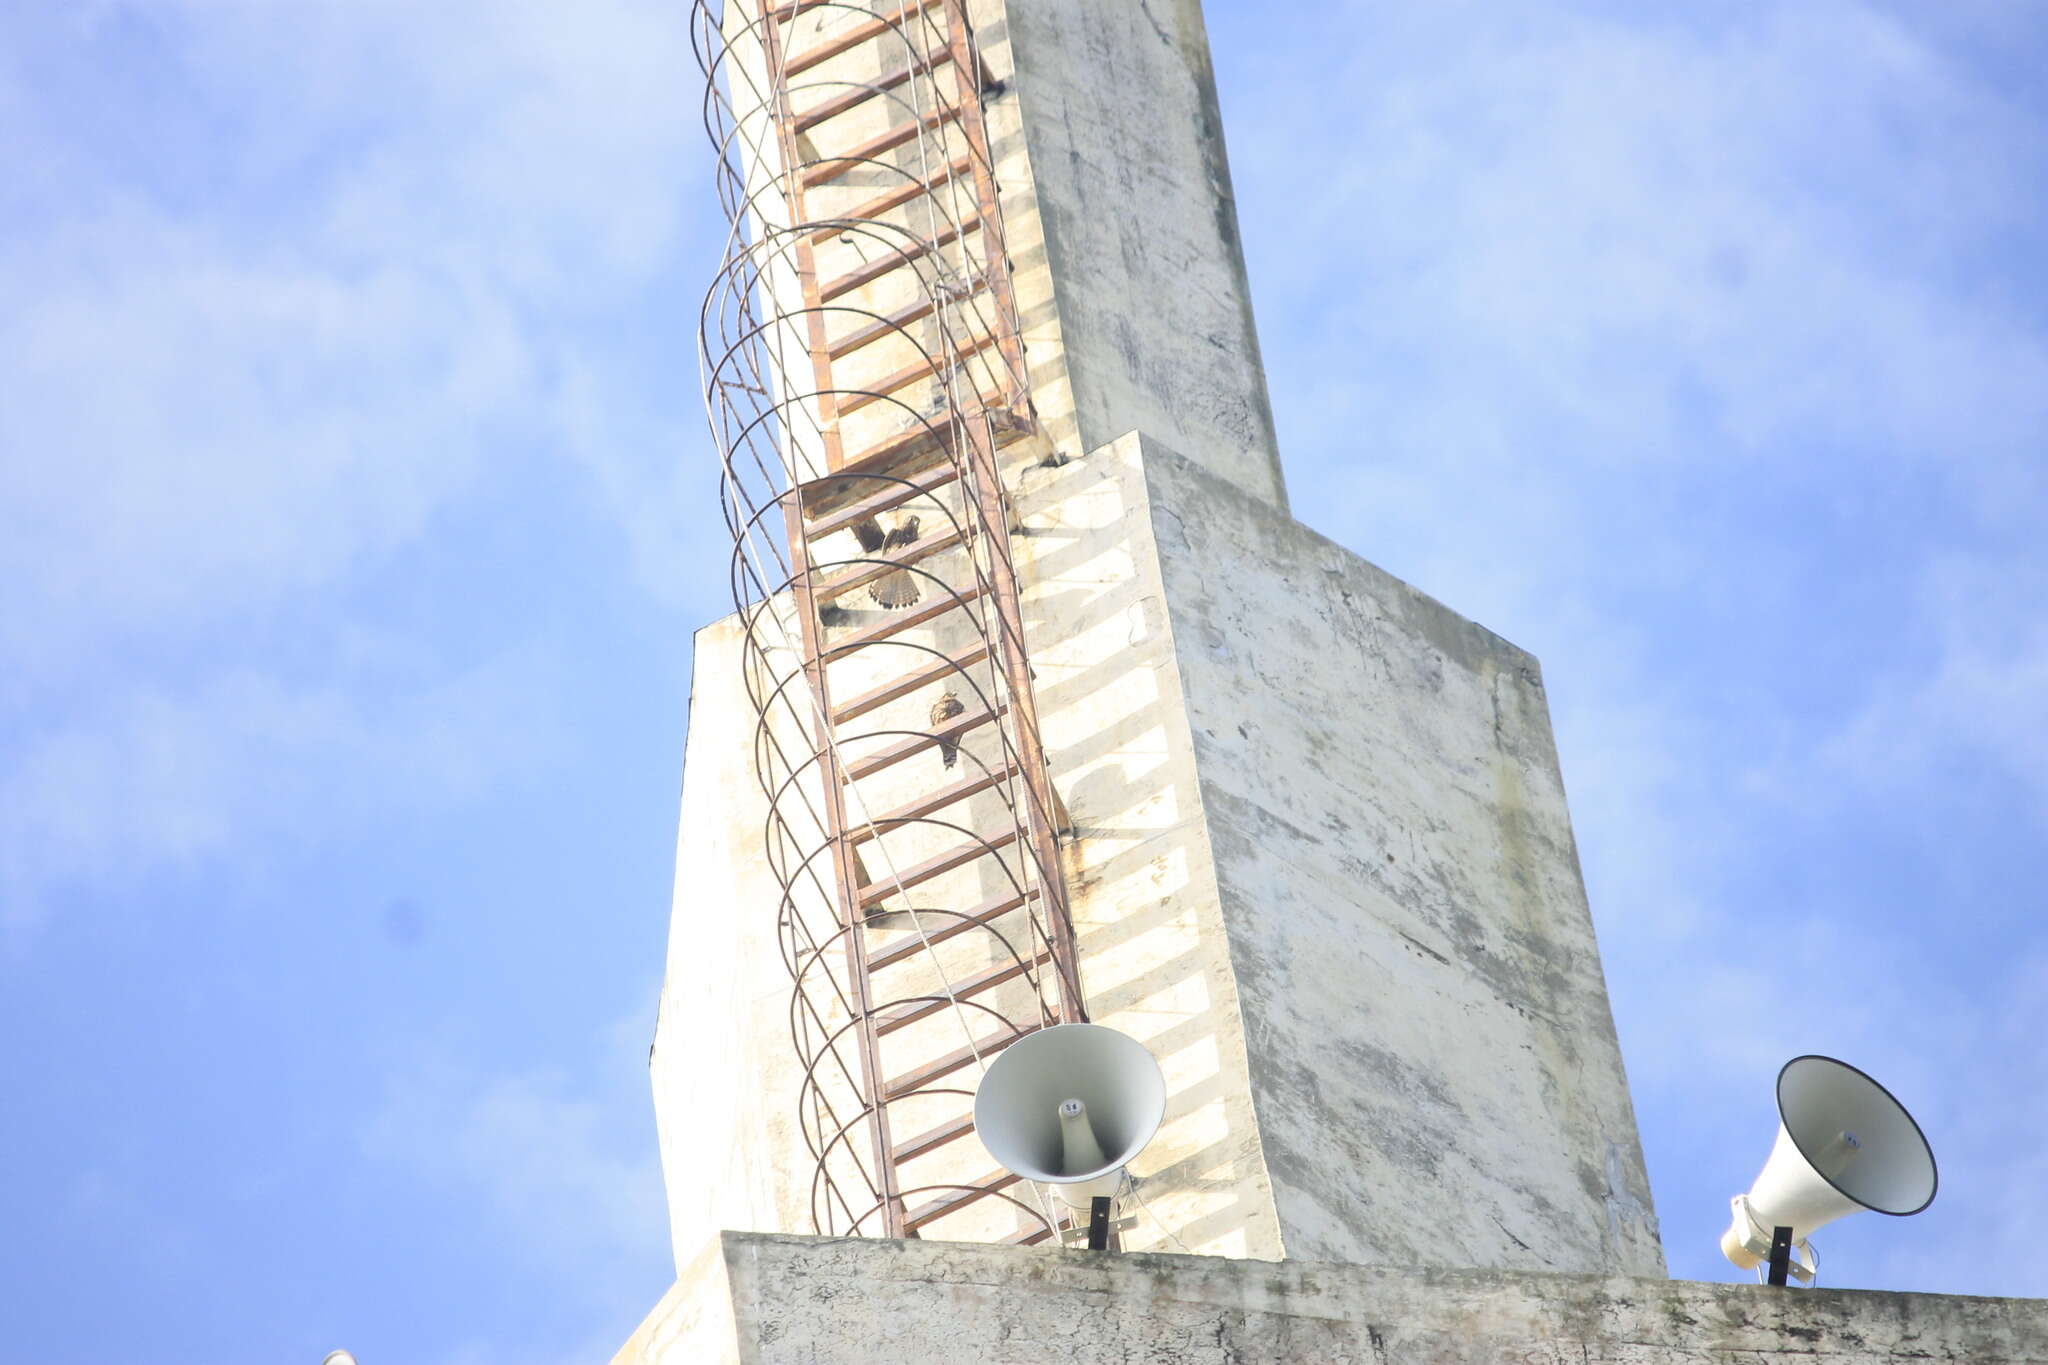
x: 355, y: 510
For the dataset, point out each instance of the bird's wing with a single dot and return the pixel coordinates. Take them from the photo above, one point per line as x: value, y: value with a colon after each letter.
x: 869, y: 534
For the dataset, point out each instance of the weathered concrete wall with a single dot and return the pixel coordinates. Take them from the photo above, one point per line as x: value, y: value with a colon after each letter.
x: 1321, y: 866
x: 760, y: 1300
x: 1127, y: 191
x: 1432, y: 1055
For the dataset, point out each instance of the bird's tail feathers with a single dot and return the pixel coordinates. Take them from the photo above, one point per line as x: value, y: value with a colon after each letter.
x: 895, y: 591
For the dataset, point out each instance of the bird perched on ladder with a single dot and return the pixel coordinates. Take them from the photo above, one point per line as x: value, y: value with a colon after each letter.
x: 943, y: 710
x: 896, y: 589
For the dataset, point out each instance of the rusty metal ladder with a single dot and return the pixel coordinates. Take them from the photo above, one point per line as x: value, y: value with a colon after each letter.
x: 859, y: 769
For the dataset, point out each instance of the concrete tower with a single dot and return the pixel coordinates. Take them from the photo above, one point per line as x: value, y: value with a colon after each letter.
x: 1162, y: 758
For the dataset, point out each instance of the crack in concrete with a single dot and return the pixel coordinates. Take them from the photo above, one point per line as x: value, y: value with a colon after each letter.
x: 1164, y: 37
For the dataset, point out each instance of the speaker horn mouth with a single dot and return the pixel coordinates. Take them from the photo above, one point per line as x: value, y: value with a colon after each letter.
x: 1823, y: 1145
x: 1069, y: 1105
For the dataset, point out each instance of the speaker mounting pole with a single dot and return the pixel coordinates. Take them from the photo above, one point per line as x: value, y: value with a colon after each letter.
x: 1781, y: 1255
x: 1098, y: 1223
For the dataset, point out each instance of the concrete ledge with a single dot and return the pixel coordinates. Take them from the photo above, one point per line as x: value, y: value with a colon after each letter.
x: 764, y: 1299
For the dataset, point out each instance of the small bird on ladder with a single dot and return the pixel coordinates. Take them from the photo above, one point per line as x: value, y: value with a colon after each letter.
x: 897, y: 589
x: 943, y: 710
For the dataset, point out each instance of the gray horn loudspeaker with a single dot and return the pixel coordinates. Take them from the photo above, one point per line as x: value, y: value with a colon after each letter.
x: 1068, y: 1106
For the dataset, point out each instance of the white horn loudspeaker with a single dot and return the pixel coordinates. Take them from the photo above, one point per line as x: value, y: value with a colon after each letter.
x: 1070, y: 1105
x: 1844, y: 1144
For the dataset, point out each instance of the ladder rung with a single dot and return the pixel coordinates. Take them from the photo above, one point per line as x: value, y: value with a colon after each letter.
x: 1029, y: 1238
x: 892, y: 259
x: 901, y: 451
x: 910, y: 682
x: 918, y: 743
x: 953, y: 928
x: 790, y: 9
x: 839, y: 584
x: 819, y: 492
x: 852, y: 38
x: 914, y: 811
x: 958, y: 1199
x: 918, y: 442
x: 907, y: 452
x: 941, y: 603
x: 934, y: 1138
x: 832, y: 167
x: 958, y: 856
x: 889, y: 1022
x: 894, y: 199
x: 940, y: 1067
x: 910, y: 374
x: 891, y: 325
x: 861, y: 94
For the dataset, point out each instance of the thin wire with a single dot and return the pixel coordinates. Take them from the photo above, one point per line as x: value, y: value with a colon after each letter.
x: 1131, y: 1188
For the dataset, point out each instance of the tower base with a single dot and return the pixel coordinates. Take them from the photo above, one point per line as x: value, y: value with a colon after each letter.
x: 762, y: 1299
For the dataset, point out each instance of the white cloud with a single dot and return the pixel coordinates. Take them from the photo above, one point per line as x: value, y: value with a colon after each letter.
x: 197, y: 433
x: 290, y: 286
x: 1544, y: 252
x: 156, y: 777
x: 653, y: 476
x: 560, y: 1185
x: 1975, y: 693
x: 400, y: 225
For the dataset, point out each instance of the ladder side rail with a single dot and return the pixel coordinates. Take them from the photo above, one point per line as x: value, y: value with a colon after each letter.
x: 1017, y: 673
x: 995, y: 251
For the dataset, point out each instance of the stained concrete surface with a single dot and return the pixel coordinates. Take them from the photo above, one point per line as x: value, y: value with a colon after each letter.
x: 1321, y: 866
x: 1432, y: 1055
x: 1132, y: 184
x: 754, y: 1299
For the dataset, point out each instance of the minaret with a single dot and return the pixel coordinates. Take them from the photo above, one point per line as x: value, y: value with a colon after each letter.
x: 1038, y: 706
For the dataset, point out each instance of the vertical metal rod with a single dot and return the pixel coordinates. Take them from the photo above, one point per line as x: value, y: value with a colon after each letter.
x: 1017, y: 674
x: 995, y: 250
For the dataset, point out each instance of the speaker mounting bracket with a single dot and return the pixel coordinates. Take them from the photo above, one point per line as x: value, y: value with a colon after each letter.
x: 1098, y: 1223
x: 1781, y: 1255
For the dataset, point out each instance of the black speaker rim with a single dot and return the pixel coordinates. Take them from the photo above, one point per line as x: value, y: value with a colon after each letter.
x: 1933, y: 1165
